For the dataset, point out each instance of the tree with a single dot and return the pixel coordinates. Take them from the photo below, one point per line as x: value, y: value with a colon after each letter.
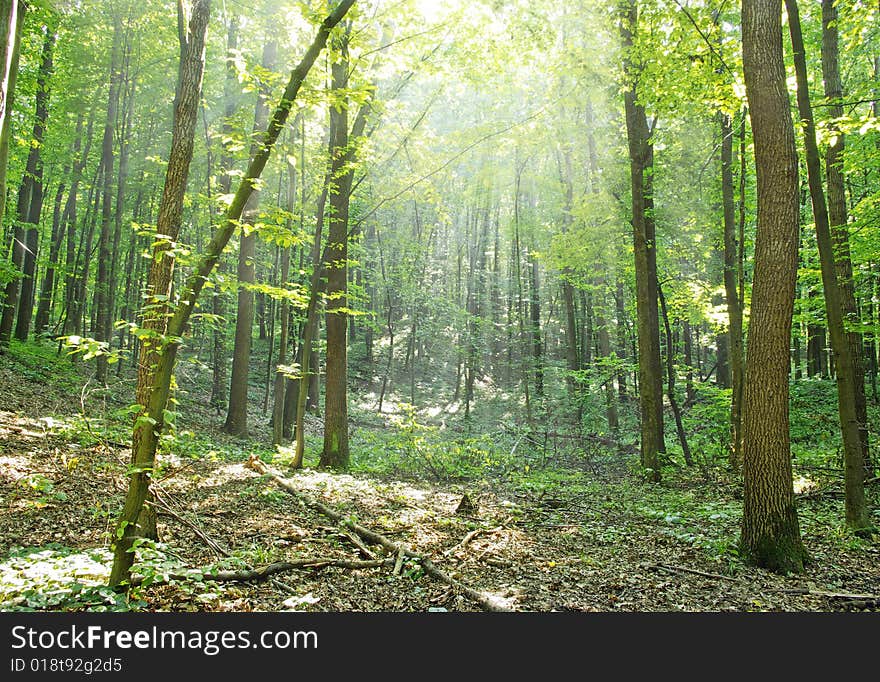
x: 11, y: 21
x: 770, y: 529
x: 335, y: 453
x: 103, y: 292
x: 20, y: 291
x: 845, y: 363
x: 157, y: 384
x: 236, y: 416
x: 837, y: 215
x: 641, y: 154
x: 156, y: 309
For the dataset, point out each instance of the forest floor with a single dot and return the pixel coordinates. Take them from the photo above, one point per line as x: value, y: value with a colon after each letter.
x: 563, y: 534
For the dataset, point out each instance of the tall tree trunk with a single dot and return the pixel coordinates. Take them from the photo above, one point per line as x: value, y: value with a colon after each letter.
x: 571, y: 336
x: 622, y: 354
x: 68, y: 216
x: 20, y: 292
x: 335, y: 454
x: 70, y: 256
x: 121, y: 182
x: 837, y: 216
x: 44, y: 301
x: 280, y: 374
x: 103, y: 295
x: 770, y: 530
x: 731, y: 290
x: 11, y: 22
x: 535, y: 328
x: 156, y: 360
x: 857, y: 516
x: 230, y: 97
x: 520, y: 314
x: 604, y: 340
x: 236, y: 416
x: 641, y: 156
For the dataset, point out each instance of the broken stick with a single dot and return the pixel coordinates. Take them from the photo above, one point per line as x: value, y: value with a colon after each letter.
x: 488, y: 602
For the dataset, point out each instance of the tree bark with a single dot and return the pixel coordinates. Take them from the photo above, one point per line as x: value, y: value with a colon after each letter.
x: 670, y: 380
x: 857, y: 516
x: 770, y: 535
x: 335, y: 454
x: 280, y: 376
x: 837, y: 215
x: 731, y: 290
x: 20, y: 291
x: 11, y: 21
x: 156, y: 363
x: 103, y: 295
x: 641, y: 155
x: 230, y: 97
x: 236, y: 416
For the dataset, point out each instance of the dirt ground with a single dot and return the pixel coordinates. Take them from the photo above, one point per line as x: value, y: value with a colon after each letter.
x: 567, y: 552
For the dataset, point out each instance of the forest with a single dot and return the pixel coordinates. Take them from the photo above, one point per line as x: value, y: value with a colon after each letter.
x: 439, y: 305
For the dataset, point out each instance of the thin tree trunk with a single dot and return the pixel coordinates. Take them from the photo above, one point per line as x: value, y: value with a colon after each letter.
x: 230, y: 96
x: 11, y: 22
x: 20, y: 291
x: 236, y: 416
x: 837, y: 216
x: 670, y: 380
x: 157, y: 352
x: 622, y: 353
x: 65, y: 227
x: 103, y: 295
x: 645, y: 248
x: 857, y: 516
x: 731, y: 289
x: 605, y: 352
x: 280, y: 374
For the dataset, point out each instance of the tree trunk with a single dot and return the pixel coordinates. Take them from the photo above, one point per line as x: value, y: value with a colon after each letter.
x: 731, y: 290
x: 280, y: 376
x: 230, y: 97
x: 622, y: 354
x: 641, y: 156
x: 604, y: 340
x: 670, y: 380
x: 837, y: 215
x: 335, y: 454
x: 103, y: 295
x: 11, y: 21
x: 157, y: 353
x: 20, y: 291
x: 236, y: 416
x: 770, y: 530
x: 857, y: 516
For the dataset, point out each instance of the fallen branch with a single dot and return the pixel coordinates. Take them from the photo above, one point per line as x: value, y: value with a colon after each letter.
x: 260, y: 574
x: 830, y: 595
x: 398, y: 564
x: 856, y: 604
x: 469, y: 537
x: 681, y: 569
x: 163, y: 504
x: 362, y: 548
x: 488, y: 602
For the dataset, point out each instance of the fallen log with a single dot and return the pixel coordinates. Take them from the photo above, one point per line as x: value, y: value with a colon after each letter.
x: 487, y: 602
x: 264, y: 573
